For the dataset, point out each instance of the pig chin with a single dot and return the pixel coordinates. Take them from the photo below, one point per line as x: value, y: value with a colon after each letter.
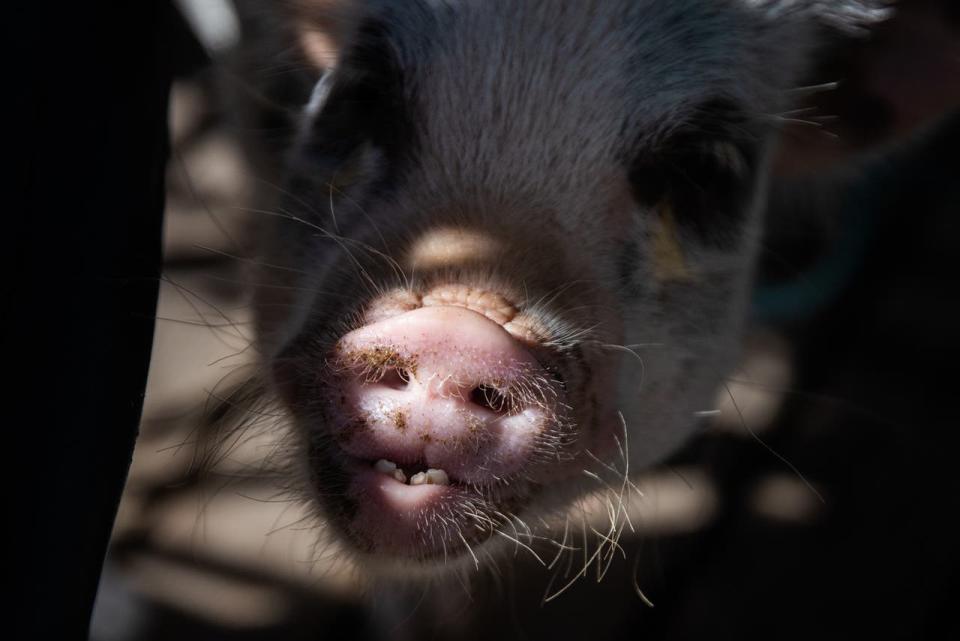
x: 441, y: 418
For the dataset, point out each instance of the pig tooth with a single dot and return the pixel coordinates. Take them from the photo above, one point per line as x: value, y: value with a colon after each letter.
x: 430, y: 477
x: 437, y: 477
x: 384, y: 466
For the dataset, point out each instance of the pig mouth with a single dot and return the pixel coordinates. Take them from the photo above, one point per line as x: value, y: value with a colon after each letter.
x: 413, y: 512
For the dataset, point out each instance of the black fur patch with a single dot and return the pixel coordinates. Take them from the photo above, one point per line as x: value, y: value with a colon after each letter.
x: 628, y: 262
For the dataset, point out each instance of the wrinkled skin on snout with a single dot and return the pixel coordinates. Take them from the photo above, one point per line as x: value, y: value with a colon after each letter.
x: 514, y: 250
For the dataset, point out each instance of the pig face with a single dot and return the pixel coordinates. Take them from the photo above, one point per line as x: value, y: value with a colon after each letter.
x: 514, y: 249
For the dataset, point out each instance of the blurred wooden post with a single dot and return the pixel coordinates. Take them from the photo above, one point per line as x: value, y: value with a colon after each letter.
x: 88, y: 84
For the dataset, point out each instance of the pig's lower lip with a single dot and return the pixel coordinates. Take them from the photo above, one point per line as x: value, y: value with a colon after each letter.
x: 425, y: 523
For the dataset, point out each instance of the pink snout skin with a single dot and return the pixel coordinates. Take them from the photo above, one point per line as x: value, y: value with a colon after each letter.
x: 442, y: 387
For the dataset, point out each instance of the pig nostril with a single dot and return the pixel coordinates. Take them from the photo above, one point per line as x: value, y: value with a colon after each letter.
x: 490, y: 398
x: 395, y: 379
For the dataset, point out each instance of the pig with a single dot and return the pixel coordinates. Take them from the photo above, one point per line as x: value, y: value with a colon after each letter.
x: 508, y: 252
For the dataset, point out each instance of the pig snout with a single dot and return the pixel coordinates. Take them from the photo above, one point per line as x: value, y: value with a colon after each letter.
x: 439, y: 414
x: 443, y: 386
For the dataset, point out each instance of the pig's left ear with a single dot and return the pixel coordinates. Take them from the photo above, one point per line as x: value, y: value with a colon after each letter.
x: 854, y: 17
x: 848, y: 17
x: 866, y: 94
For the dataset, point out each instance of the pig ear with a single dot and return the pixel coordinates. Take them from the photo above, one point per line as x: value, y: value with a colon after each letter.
x: 869, y: 94
x: 323, y: 27
x: 848, y: 16
x: 358, y: 126
x: 854, y: 17
x: 285, y: 48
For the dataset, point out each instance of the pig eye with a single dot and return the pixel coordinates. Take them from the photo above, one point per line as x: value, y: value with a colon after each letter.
x: 706, y: 180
